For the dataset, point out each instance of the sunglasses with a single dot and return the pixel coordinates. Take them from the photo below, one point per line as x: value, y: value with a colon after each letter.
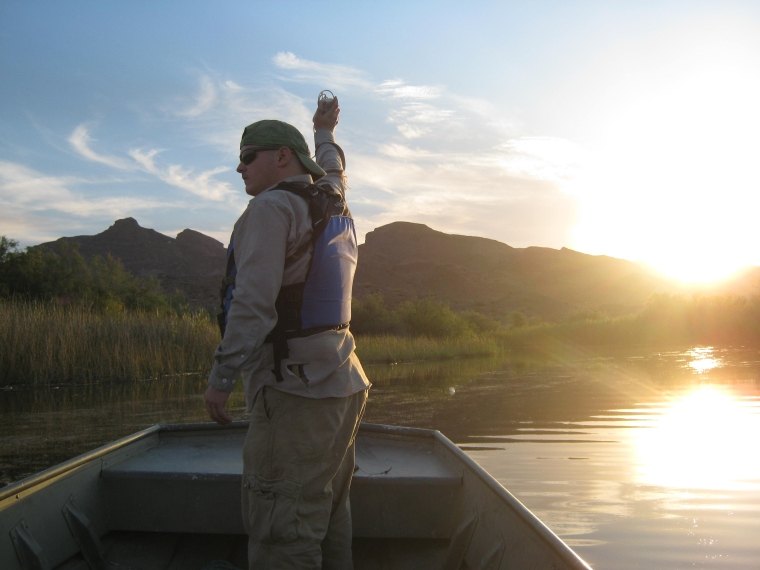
x: 249, y: 156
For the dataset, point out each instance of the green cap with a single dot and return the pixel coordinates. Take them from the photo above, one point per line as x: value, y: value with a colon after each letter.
x: 274, y: 134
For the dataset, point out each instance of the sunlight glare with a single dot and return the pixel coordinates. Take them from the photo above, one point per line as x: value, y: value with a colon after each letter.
x: 704, y: 365
x: 700, y: 441
x: 672, y: 183
x: 702, y: 360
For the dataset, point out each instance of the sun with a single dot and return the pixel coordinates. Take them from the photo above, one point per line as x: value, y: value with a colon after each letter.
x: 671, y: 179
x: 697, y: 267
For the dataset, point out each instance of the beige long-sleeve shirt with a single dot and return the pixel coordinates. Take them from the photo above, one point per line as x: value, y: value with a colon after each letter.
x: 272, y: 244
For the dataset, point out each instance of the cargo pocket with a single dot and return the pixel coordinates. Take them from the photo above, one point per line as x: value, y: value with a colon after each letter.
x: 272, y: 509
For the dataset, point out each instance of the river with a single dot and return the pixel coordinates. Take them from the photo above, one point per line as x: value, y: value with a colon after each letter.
x: 637, y: 461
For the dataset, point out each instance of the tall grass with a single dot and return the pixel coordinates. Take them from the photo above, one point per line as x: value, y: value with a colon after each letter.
x: 43, y: 342
x: 46, y: 342
x: 391, y: 349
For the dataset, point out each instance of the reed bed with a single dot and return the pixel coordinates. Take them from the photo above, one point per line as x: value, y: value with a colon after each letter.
x: 393, y: 349
x: 44, y: 343
x: 47, y: 343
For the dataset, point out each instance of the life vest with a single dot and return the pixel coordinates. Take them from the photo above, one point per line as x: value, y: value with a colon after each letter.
x: 323, y: 301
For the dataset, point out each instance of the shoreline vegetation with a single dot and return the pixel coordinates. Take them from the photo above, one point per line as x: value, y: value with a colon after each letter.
x: 46, y: 342
x: 65, y: 319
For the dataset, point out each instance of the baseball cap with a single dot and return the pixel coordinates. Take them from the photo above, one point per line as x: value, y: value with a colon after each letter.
x: 273, y: 134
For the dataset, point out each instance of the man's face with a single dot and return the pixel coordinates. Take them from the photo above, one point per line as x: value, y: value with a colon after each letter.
x: 258, y: 167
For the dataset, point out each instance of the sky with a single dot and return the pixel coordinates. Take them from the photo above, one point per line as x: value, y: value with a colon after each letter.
x: 628, y: 128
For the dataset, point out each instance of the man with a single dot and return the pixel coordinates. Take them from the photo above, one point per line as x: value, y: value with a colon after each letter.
x: 306, y: 404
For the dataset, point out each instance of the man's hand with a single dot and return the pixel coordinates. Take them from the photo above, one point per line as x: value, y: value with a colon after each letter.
x: 326, y: 115
x: 216, y: 400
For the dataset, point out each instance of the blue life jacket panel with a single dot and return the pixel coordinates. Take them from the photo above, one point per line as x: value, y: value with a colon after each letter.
x: 327, y: 290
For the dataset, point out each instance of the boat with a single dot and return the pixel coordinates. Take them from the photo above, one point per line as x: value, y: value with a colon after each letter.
x: 168, y: 497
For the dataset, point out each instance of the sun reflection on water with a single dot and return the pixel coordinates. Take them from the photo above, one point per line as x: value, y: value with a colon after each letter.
x: 703, y: 360
x: 701, y: 440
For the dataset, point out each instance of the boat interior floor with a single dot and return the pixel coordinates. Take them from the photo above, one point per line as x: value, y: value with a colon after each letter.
x: 167, y: 551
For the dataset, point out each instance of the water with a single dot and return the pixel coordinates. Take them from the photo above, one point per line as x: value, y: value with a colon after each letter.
x: 644, y: 461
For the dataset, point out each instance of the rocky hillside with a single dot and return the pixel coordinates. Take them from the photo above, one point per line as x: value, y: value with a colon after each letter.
x: 403, y: 260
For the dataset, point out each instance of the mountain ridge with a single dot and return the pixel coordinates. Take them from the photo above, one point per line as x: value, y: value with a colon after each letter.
x: 484, y: 275
x: 403, y: 261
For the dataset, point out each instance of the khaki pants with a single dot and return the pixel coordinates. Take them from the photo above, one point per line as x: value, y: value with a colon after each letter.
x: 298, y: 460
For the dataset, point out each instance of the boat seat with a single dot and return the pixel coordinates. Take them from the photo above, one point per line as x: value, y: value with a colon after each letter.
x: 185, y: 483
x: 403, y: 491
x: 188, y: 483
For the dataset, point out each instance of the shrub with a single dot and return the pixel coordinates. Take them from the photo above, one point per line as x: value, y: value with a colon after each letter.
x: 65, y: 275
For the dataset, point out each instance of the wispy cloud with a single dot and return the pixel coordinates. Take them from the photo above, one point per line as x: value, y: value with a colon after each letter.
x: 414, y: 120
x: 81, y: 142
x: 202, y: 184
x: 304, y: 70
x: 217, y: 122
x: 23, y: 186
x: 405, y: 152
x: 398, y: 89
x: 542, y: 158
x: 459, y: 193
x: 205, y: 98
x: 29, y: 200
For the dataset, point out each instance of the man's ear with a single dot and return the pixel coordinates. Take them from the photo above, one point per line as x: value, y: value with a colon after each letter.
x: 285, y: 155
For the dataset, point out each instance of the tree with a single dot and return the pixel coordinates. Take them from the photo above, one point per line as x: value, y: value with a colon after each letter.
x: 429, y: 317
x: 8, y: 247
x: 64, y: 275
x: 371, y: 316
